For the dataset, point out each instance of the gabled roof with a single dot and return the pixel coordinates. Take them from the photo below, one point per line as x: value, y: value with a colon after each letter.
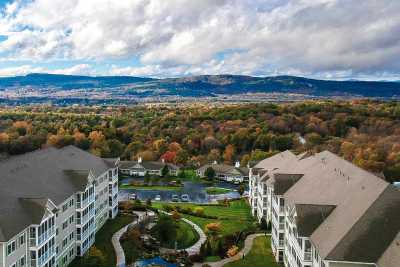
x: 32, y: 178
x: 373, y: 233
x: 225, y: 168
x: 344, y: 209
x: 310, y: 217
x: 146, y: 165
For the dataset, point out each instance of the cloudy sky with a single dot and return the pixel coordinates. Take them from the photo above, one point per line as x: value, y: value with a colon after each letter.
x: 332, y: 39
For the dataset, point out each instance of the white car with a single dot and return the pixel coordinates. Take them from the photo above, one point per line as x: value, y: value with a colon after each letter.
x: 132, y: 196
x: 185, y: 198
x: 157, y: 198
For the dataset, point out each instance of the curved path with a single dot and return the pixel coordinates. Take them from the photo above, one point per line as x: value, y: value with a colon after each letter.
x: 248, y: 244
x: 195, y: 249
x: 119, y: 252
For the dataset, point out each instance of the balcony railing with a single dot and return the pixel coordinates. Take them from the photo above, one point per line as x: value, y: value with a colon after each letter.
x: 45, y: 236
x: 49, y: 253
x: 307, y: 256
x: 85, y: 203
x: 281, y: 243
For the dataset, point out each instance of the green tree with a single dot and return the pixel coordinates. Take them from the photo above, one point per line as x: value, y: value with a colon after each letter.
x: 166, y: 229
x: 210, y: 173
x: 165, y: 171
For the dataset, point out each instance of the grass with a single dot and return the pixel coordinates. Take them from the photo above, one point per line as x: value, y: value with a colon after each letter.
x: 217, y: 190
x: 186, y: 237
x: 152, y: 187
x: 212, y: 259
x: 234, y: 218
x: 260, y: 255
x: 103, y: 240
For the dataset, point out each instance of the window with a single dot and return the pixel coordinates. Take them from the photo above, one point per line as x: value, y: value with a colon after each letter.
x: 65, y: 207
x: 71, y: 202
x: 71, y: 219
x: 65, y: 224
x: 22, y: 261
x: 14, y: 265
x: 22, y: 240
x: 11, y: 248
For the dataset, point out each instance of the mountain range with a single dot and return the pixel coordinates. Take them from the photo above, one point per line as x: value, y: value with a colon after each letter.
x: 59, y: 86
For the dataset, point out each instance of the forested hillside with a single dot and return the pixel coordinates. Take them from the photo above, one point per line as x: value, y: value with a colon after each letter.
x: 364, y: 132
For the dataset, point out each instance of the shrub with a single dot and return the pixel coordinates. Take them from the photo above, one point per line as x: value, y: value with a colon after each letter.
x: 232, y: 251
x: 198, y: 211
x: 167, y: 208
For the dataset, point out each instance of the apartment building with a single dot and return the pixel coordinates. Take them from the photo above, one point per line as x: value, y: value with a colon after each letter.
x: 142, y: 168
x: 52, y: 202
x: 326, y: 212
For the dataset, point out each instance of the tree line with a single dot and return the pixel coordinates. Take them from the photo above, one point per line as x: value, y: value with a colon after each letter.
x: 363, y: 131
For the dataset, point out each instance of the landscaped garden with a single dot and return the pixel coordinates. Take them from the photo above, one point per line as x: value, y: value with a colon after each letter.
x: 260, y: 255
x: 103, y: 252
x: 172, y: 232
x: 235, y: 216
x: 226, y: 225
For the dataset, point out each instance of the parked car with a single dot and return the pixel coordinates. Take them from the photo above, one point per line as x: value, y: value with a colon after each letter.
x: 132, y: 196
x: 157, y: 198
x: 175, y: 198
x: 185, y: 198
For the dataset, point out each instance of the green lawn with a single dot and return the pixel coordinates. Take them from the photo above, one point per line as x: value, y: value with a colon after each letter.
x: 152, y: 187
x: 259, y: 256
x: 103, y: 240
x: 217, y: 190
x: 235, y: 218
x: 186, y: 237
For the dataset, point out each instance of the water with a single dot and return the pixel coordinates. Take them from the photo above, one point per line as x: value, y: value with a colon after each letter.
x: 157, y: 261
x: 196, y: 191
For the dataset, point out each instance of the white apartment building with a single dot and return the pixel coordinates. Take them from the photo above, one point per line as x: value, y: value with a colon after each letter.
x: 52, y: 202
x: 326, y: 212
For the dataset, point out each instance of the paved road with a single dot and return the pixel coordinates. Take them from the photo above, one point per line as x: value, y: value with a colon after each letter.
x: 195, y: 249
x: 116, y: 237
x: 248, y: 243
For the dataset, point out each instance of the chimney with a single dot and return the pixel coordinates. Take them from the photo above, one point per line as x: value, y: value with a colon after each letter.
x: 237, y: 164
x: 140, y: 160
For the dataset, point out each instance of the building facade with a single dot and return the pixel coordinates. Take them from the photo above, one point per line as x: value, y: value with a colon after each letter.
x: 142, y: 168
x: 326, y: 212
x: 226, y: 172
x: 52, y: 202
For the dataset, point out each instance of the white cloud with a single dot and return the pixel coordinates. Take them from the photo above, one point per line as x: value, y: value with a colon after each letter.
x: 178, y: 37
x: 80, y: 69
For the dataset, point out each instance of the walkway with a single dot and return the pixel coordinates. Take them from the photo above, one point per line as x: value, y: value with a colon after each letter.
x: 195, y: 249
x: 248, y: 244
x: 119, y: 252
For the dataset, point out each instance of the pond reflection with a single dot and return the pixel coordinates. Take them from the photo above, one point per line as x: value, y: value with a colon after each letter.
x: 196, y: 191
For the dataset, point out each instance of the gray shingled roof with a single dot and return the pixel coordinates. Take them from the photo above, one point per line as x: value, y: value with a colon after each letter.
x: 146, y: 165
x: 225, y: 168
x: 310, y: 217
x: 373, y: 233
x: 330, y: 180
x: 43, y: 174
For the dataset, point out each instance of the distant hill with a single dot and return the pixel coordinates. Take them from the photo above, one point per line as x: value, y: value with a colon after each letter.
x: 202, y: 86
x: 68, y: 81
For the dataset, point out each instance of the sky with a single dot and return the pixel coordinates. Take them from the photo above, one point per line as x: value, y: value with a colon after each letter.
x: 327, y: 39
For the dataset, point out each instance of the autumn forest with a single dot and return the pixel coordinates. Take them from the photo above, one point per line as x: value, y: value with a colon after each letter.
x: 364, y: 132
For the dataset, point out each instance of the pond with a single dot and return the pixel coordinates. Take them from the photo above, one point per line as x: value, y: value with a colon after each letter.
x: 196, y: 191
x: 157, y: 261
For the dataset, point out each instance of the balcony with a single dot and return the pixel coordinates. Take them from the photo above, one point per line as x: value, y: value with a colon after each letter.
x: 86, y: 218
x: 281, y: 243
x: 46, y: 256
x: 307, y: 256
x: 43, y: 237
x: 86, y: 202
